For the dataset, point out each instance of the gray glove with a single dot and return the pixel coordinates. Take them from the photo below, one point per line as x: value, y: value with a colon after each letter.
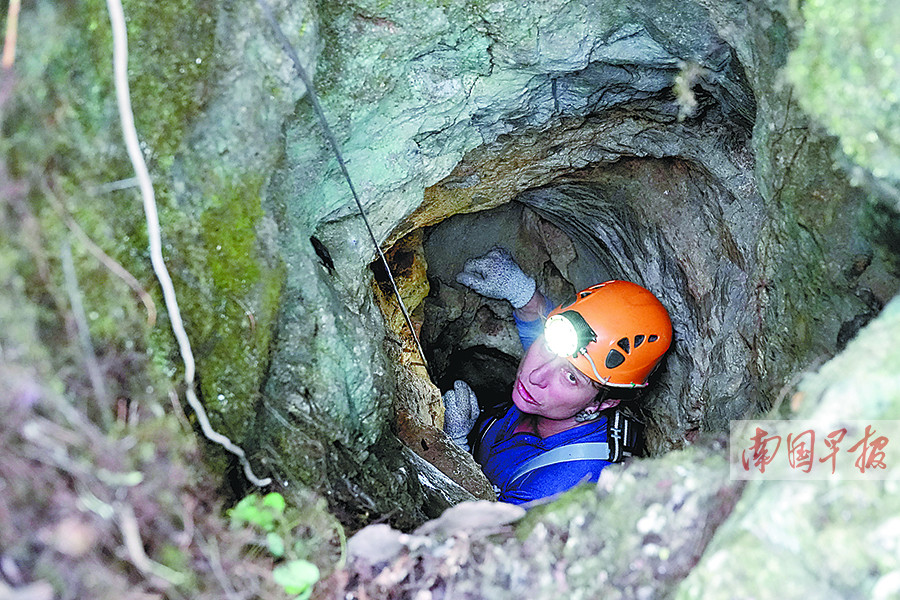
x: 496, y: 275
x: 460, y: 413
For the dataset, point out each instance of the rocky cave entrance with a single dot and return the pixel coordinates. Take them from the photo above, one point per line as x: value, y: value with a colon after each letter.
x: 627, y: 152
x: 666, y: 223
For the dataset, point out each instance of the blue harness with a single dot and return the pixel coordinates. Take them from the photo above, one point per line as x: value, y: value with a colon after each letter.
x: 622, y: 438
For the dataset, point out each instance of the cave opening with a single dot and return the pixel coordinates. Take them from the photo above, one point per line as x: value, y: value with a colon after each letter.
x: 659, y: 223
x: 667, y: 224
x: 612, y: 186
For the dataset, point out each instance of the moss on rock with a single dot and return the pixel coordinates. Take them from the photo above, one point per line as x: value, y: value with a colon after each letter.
x: 62, y: 142
x: 232, y: 302
x: 820, y: 537
x: 63, y: 139
x: 846, y: 69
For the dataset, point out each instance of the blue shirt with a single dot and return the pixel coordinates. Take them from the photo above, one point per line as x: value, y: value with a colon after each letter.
x: 502, y: 451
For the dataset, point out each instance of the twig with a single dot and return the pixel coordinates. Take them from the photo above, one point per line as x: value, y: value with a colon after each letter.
x: 188, y: 506
x: 342, y: 536
x: 122, y: 184
x: 179, y: 411
x: 131, y: 535
x: 123, y: 99
x: 84, y: 335
x: 249, y: 313
x: 108, y: 261
x: 215, y: 563
x: 12, y: 33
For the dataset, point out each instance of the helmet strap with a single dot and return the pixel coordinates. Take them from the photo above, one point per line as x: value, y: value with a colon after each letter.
x: 584, y: 415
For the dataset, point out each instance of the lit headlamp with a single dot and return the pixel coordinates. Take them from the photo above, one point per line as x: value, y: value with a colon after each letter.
x: 568, y: 334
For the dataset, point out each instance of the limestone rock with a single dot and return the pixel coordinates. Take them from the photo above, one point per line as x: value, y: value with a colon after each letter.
x: 785, y: 535
x: 656, y: 138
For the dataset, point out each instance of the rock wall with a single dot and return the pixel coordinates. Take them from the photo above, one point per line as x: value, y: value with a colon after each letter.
x: 666, y: 128
x: 671, y: 116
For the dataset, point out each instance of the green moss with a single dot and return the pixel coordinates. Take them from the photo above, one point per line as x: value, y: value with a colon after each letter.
x: 846, y: 69
x: 65, y: 65
x: 229, y: 237
x: 229, y: 295
x: 63, y: 124
x: 171, y: 51
x: 565, y: 507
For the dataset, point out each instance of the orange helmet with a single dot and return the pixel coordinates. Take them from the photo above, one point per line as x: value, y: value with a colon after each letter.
x: 615, y: 333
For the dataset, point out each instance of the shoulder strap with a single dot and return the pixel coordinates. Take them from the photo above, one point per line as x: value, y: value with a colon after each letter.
x: 493, y: 421
x: 571, y: 452
x: 485, y: 427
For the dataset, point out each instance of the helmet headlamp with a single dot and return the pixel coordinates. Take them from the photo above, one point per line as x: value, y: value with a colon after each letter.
x: 568, y: 334
x: 614, y: 332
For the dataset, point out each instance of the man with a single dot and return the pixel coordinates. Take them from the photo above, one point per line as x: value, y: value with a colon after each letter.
x: 575, y: 366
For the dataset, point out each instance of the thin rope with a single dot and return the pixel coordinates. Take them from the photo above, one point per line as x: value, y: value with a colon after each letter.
x: 314, y: 99
x: 123, y: 98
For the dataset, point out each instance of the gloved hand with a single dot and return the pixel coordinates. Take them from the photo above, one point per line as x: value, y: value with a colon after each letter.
x: 460, y: 413
x: 496, y: 275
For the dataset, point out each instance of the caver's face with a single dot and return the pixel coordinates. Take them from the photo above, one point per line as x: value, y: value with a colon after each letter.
x: 547, y: 385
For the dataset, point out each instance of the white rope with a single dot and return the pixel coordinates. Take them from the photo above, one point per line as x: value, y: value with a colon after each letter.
x: 123, y: 98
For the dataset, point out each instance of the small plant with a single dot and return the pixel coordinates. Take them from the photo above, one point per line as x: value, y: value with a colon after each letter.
x: 297, y: 577
x: 267, y: 515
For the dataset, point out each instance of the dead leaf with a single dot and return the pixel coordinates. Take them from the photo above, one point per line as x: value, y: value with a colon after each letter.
x: 472, y: 517
x: 380, y: 543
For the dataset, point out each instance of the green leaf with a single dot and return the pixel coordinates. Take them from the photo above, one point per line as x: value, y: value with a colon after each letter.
x: 256, y: 511
x: 296, y: 577
x: 276, y: 544
x: 275, y: 501
x: 245, y: 511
